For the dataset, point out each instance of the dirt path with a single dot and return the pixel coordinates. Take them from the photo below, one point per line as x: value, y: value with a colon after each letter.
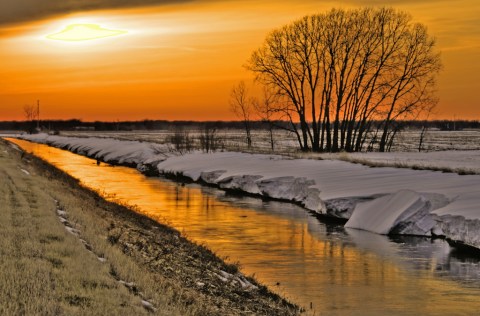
x: 64, y: 250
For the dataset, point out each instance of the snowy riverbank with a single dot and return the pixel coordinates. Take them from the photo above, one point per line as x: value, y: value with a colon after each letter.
x: 382, y: 200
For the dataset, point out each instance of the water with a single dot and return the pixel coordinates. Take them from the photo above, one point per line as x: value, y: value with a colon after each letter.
x: 327, y: 269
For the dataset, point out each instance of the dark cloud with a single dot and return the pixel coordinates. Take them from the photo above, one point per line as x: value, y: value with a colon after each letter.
x: 14, y: 11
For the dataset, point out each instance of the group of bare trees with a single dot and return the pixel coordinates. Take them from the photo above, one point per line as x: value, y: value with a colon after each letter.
x: 334, y: 75
x: 205, y: 139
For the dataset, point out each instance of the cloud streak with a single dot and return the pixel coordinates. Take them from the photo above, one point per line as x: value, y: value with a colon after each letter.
x: 16, y: 11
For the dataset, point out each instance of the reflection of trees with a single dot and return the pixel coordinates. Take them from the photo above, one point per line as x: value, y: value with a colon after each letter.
x: 182, y: 196
x: 420, y: 254
x: 206, y: 203
x: 443, y: 260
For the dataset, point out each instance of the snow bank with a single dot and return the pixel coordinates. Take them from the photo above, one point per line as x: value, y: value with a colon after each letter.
x: 383, y: 200
x: 248, y: 173
x: 403, y: 212
x: 131, y: 153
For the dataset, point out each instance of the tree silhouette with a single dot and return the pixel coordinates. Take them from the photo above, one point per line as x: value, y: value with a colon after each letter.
x: 31, y: 114
x: 242, y: 106
x: 336, y: 73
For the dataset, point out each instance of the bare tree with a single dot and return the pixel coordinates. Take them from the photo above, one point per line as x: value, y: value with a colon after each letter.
x: 208, y: 138
x: 181, y: 140
x: 242, y: 106
x: 411, y: 91
x: 336, y: 73
x: 266, y: 110
x: 424, y: 130
x: 31, y: 114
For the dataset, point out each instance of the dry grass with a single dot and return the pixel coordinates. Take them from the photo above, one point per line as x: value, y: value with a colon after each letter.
x: 114, y: 260
x: 44, y: 270
x: 405, y: 165
x: 344, y: 156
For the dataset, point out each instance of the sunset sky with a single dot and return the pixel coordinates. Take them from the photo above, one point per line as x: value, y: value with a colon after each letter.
x: 180, y: 59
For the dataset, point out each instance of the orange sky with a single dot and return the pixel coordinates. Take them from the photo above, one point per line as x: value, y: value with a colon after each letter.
x: 179, y: 61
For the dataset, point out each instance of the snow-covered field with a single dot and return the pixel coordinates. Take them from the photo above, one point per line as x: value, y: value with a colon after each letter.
x: 383, y: 200
x: 285, y: 142
x: 454, y: 151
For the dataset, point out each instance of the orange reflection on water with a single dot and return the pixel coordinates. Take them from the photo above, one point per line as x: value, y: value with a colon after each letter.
x: 284, y: 246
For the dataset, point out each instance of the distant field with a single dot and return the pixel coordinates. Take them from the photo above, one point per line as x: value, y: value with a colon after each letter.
x: 285, y: 142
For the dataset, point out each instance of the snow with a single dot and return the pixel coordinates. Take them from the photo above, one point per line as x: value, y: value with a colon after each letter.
x: 25, y: 171
x: 236, y: 280
x: 106, y: 149
x: 72, y: 231
x: 15, y: 147
x: 454, y: 160
x: 149, y: 306
x: 385, y: 200
x: 332, y: 180
x: 131, y: 286
x: 384, y: 214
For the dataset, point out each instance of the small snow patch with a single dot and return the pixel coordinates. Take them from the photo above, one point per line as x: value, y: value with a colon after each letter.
x: 148, y: 306
x: 15, y: 147
x: 25, y: 171
x: 236, y: 280
x: 63, y: 221
x: 133, y: 289
x: 128, y: 285
x: 72, y: 231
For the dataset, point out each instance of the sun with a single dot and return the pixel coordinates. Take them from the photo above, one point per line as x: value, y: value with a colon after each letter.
x: 84, y: 32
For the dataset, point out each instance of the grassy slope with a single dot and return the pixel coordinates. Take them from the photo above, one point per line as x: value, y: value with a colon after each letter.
x: 44, y: 269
